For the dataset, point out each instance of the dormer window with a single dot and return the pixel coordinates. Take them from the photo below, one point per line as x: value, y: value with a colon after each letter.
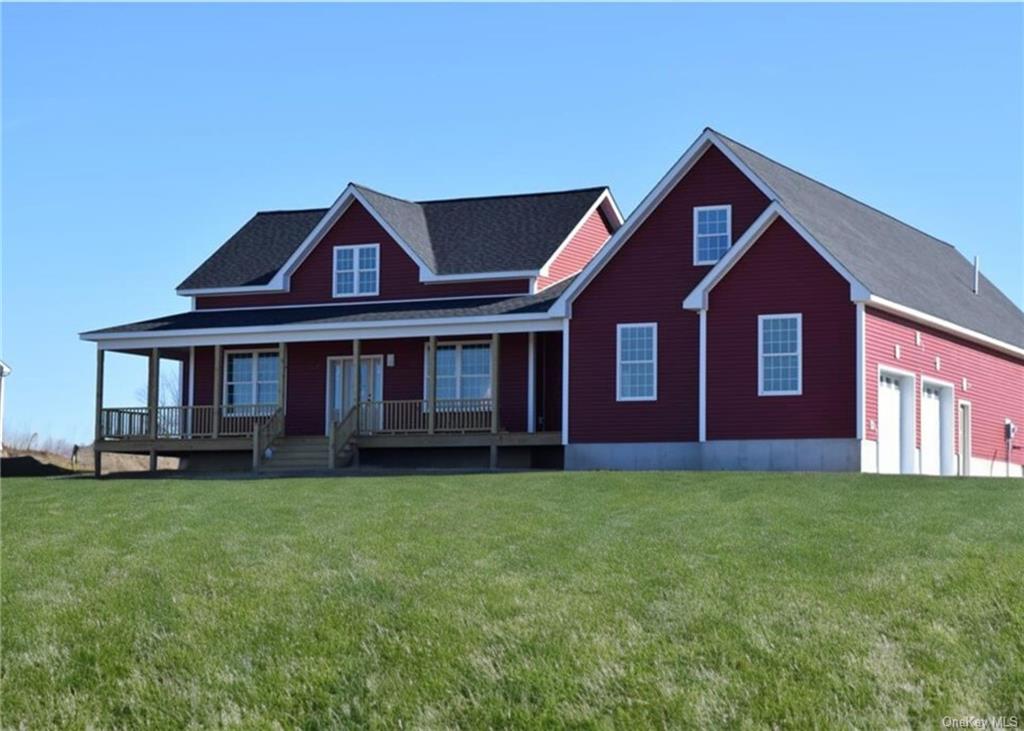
x: 356, y: 270
x: 712, y: 233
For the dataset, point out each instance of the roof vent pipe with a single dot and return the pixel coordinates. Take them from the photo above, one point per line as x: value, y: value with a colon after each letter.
x: 975, y: 275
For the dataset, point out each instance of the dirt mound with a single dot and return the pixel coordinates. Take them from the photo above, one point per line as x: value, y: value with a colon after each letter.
x: 28, y: 466
x: 48, y: 463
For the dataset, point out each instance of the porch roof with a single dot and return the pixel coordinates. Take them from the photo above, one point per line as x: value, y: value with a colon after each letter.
x: 341, y: 315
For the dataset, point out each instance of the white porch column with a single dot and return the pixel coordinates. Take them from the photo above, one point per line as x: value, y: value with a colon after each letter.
x: 217, y: 358
x: 431, y: 384
x: 495, y: 381
x: 357, y: 377
x: 282, y: 375
x: 96, y: 454
x: 153, y: 402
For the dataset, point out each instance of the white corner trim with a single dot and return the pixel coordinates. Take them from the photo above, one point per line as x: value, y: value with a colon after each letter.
x: 605, y: 201
x: 922, y: 317
x: 702, y: 380
x: 861, y: 375
x: 565, y: 382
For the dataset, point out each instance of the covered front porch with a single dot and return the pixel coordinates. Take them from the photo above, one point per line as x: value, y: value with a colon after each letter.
x: 254, y: 401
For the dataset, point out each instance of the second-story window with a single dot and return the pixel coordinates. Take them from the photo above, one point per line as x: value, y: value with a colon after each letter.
x: 356, y: 270
x: 712, y: 233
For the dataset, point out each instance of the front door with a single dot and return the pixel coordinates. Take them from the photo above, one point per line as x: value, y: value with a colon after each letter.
x: 341, y: 384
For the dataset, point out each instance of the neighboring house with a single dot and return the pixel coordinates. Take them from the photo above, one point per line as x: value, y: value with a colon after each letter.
x: 743, y: 317
x: 4, y: 372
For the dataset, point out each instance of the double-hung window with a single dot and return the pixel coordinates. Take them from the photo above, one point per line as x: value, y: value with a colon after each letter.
x: 779, y: 355
x: 356, y: 270
x: 636, y: 372
x: 250, y: 381
x: 712, y: 233
x: 463, y: 371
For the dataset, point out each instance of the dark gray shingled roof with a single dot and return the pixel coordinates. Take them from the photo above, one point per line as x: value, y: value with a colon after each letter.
x: 893, y: 260
x: 457, y: 236
x: 341, y: 314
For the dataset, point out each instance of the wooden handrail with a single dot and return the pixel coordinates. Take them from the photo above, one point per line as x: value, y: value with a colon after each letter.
x: 264, y: 435
x: 341, y: 433
x: 412, y: 416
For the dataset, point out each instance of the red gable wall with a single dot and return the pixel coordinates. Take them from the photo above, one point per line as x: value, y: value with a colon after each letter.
x: 586, y: 242
x: 781, y: 273
x: 312, y: 282
x: 995, y: 381
x: 646, y: 281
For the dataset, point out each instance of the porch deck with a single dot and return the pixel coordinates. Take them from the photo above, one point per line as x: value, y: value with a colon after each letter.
x: 408, y: 423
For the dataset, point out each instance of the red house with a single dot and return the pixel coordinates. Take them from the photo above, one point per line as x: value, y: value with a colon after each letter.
x: 744, y: 317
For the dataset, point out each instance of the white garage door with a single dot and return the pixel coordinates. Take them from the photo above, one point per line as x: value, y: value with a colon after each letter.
x: 931, y: 449
x: 889, y: 425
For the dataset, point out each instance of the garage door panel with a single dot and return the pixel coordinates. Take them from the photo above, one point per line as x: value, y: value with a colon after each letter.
x: 889, y: 425
x: 931, y: 429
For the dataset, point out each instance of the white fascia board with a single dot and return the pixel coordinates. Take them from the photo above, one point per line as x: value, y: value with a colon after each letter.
x: 937, y: 322
x: 611, y: 210
x: 698, y: 298
x: 214, y: 291
x: 375, y: 330
x: 858, y: 292
x: 431, y: 278
x: 281, y: 281
x: 631, y: 224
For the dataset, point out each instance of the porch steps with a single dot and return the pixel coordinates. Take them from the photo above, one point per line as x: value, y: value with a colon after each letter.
x: 298, y: 454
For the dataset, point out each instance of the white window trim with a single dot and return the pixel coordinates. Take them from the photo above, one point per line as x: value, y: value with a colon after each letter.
x: 458, y: 366
x: 355, y: 271
x: 254, y: 354
x: 728, y: 227
x: 799, y: 353
x: 618, y: 361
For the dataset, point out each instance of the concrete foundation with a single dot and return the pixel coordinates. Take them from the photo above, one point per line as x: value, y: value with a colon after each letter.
x: 788, y: 455
x: 639, y: 456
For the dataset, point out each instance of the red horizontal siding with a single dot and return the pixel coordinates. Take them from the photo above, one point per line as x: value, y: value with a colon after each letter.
x: 549, y: 381
x: 995, y: 381
x: 312, y: 282
x: 307, y: 377
x: 586, y: 242
x: 781, y: 273
x: 646, y: 281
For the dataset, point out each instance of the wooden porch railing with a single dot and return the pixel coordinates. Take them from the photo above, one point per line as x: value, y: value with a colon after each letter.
x: 341, y: 433
x: 412, y: 416
x: 184, y: 422
x: 264, y: 435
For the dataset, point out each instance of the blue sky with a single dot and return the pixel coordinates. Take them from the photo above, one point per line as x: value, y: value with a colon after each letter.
x: 137, y: 138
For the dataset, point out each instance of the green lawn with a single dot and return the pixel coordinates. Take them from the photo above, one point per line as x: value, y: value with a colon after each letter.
x: 581, y: 600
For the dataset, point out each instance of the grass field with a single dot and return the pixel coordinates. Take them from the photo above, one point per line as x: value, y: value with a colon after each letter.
x: 558, y: 600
